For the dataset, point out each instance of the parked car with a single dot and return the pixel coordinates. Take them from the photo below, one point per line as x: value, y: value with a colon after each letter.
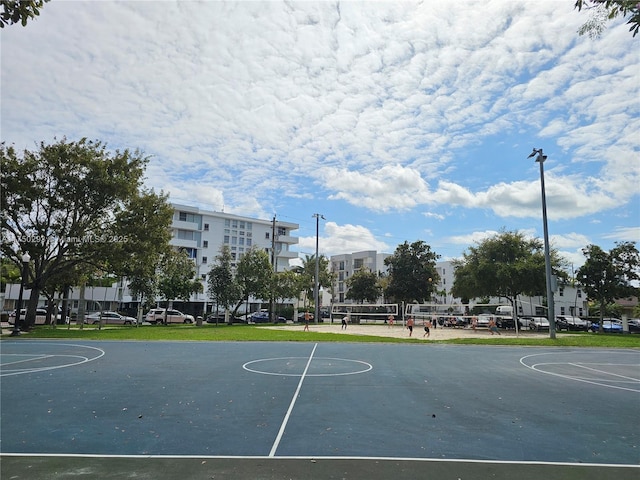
x: 212, y: 318
x: 109, y: 318
x: 484, y: 319
x: 536, y: 324
x: 41, y: 316
x: 564, y: 322
x: 156, y: 315
x: 301, y: 317
x: 505, y: 322
x: 264, y: 317
x: 456, y: 322
x: 634, y: 325
x: 609, y: 325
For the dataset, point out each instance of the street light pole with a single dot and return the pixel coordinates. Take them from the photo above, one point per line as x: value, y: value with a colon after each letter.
x: 26, y: 258
x: 540, y: 158
x: 317, y: 216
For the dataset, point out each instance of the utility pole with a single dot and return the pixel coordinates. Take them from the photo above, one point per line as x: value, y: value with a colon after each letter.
x: 274, y: 265
x: 540, y: 158
x: 317, y: 216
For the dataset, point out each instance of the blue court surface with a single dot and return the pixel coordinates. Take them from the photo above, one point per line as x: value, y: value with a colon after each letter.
x: 328, y: 410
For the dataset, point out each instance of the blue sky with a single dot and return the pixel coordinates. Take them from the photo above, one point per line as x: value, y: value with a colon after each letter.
x: 395, y: 121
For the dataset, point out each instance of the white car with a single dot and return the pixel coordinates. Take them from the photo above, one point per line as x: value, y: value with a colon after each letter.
x: 156, y: 315
x: 109, y: 318
x: 41, y: 316
x: 538, y: 323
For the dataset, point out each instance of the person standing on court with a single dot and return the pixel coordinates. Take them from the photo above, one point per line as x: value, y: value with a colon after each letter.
x: 345, y: 319
x: 410, y: 325
x: 391, y: 319
x: 306, y: 321
x: 427, y: 325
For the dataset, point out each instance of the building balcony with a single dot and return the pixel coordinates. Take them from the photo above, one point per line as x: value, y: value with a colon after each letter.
x: 289, y: 240
x: 185, y: 225
x: 287, y: 254
x: 179, y: 242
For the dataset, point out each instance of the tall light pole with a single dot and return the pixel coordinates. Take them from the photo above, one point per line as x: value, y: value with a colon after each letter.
x: 540, y: 158
x: 26, y: 258
x: 317, y: 216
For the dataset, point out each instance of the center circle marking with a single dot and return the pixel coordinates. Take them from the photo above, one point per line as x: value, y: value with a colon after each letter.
x: 319, y: 367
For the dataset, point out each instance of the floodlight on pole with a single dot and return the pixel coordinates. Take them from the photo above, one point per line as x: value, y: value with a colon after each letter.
x: 540, y: 158
x: 317, y: 216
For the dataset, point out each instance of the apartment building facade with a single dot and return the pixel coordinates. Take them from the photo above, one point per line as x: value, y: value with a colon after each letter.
x: 202, y: 233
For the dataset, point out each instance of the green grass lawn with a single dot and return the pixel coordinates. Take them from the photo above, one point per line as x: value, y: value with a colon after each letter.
x: 238, y: 333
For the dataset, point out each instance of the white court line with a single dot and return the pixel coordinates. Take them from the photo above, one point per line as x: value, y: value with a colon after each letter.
x: 610, y: 374
x: 535, y: 368
x: 293, y: 402
x: 322, y: 457
x: 6, y: 373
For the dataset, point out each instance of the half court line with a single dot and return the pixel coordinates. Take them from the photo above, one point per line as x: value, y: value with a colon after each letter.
x: 293, y: 402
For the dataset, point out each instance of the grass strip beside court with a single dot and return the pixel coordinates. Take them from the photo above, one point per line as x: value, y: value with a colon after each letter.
x: 244, y: 333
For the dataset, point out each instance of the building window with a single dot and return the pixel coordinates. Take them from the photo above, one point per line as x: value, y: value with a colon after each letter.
x: 266, y: 235
x: 203, y: 277
x: 206, y: 227
x: 561, y: 291
x: 242, y: 225
x: 227, y: 222
x: 183, y: 216
x: 579, y: 293
x: 282, y: 231
x: 205, y: 244
x: 234, y: 224
x: 249, y: 226
x: 561, y: 310
x: 241, y: 242
x: 358, y: 263
x: 248, y: 242
x: 204, y: 259
x: 226, y: 239
x: 234, y: 240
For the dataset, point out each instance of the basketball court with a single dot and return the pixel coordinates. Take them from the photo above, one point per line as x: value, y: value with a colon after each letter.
x: 316, y: 410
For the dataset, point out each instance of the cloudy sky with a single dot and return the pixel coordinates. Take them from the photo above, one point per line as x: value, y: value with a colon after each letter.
x: 395, y: 121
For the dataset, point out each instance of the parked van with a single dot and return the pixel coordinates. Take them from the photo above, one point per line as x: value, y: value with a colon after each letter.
x: 506, y: 310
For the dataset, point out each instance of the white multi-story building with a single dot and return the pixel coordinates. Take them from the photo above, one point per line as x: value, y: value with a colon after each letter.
x: 343, y: 266
x: 202, y: 233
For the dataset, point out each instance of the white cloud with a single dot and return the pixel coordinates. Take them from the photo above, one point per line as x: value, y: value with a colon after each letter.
x: 374, y: 108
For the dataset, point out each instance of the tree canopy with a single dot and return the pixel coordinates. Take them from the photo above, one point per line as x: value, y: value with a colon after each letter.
x: 412, y: 273
x: 606, y: 276
x: 14, y: 11
x: 223, y: 289
x: 603, y: 10
x: 505, y: 265
x: 363, y: 286
x: 76, y: 207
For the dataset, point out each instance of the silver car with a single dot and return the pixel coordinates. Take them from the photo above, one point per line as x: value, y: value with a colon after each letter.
x: 109, y: 318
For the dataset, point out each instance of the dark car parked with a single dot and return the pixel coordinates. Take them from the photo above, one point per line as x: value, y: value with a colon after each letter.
x: 565, y: 322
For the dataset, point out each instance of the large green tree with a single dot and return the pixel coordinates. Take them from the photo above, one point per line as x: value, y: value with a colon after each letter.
x: 223, y: 288
x: 603, y: 10
x: 606, y: 276
x: 363, y: 286
x: 505, y: 265
x: 412, y: 273
x: 76, y: 207
x: 177, y: 278
x: 254, y: 276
